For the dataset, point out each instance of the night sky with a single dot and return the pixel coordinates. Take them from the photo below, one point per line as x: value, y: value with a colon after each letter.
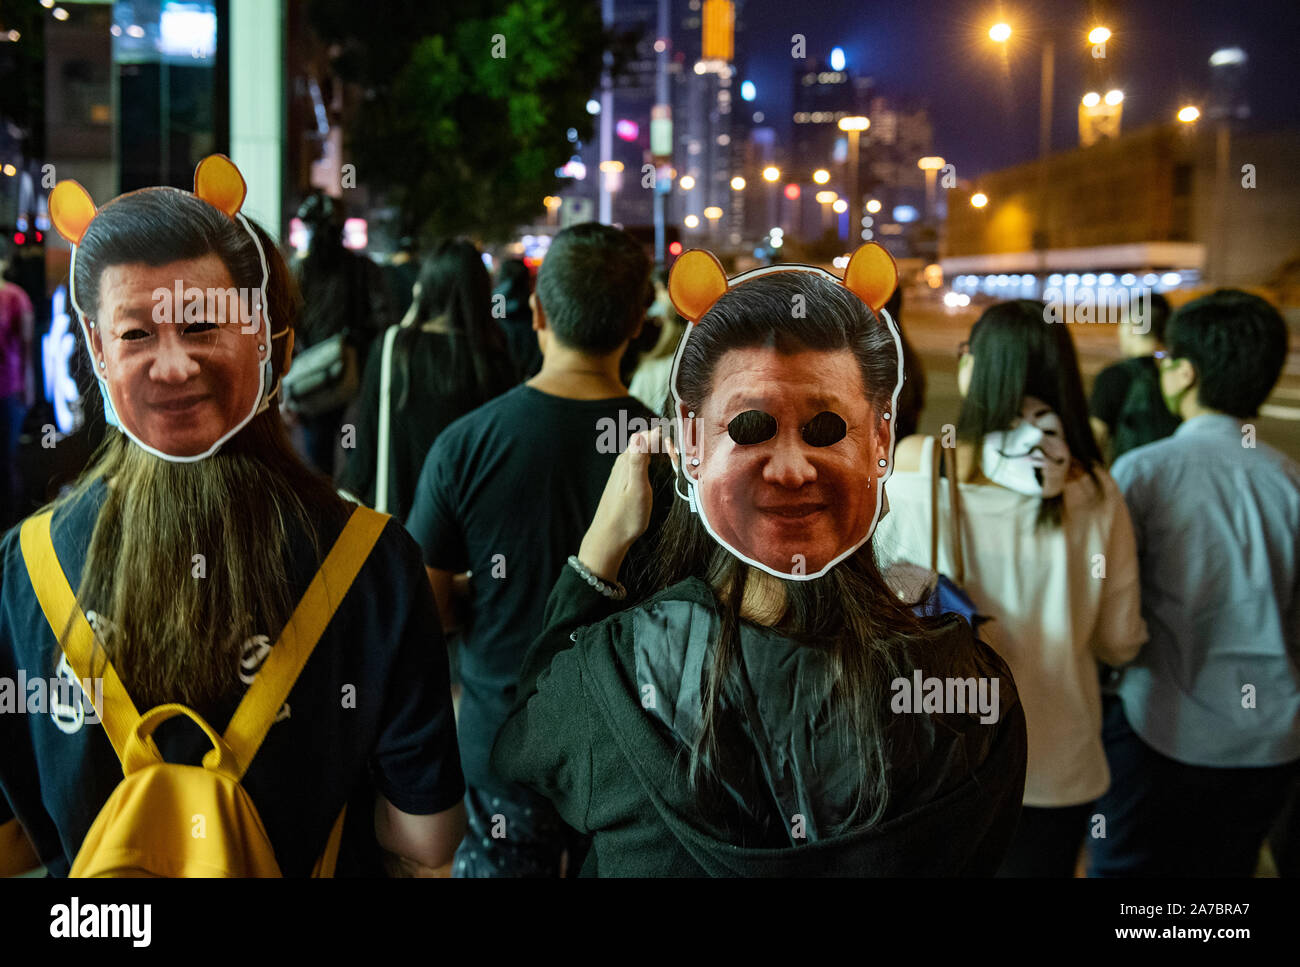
x: 984, y: 105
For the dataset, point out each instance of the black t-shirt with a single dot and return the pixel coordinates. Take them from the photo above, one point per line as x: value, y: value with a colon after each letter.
x: 396, y: 737
x: 507, y: 493
x: 1126, y: 397
x: 419, y: 412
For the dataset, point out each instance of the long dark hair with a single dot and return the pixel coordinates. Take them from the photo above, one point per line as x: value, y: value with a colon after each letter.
x: 455, y: 285
x: 1018, y: 353
x: 850, y: 612
x: 178, y: 636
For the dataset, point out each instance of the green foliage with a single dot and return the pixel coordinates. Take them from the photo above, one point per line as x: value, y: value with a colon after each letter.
x: 462, y: 141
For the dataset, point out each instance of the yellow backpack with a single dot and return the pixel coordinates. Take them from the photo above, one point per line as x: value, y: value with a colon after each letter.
x: 171, y: 820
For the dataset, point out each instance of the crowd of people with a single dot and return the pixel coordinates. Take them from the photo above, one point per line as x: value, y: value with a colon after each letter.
x: 634, y: 698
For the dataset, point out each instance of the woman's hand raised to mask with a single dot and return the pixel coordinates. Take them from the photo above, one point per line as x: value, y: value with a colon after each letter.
x: 624, y: 510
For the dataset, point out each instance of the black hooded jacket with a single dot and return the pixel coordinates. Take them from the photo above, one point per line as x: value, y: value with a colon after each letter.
x: 607, y: 705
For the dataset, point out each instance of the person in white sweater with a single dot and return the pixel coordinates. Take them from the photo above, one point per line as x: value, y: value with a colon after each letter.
x: 1049, y: 557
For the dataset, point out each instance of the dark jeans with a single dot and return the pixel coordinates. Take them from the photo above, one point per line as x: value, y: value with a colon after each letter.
x: 522, y: 837
x: 12, y: 411
x: 1167, y: 818
x: 1046, y: 842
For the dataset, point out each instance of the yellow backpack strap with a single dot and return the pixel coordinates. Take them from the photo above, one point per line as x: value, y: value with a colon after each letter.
x: 58, y: 602
x: 264, y: 698
x: 329, y: 859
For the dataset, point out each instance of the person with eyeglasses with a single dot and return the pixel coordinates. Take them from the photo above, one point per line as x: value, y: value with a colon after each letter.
x: 1203, y: 740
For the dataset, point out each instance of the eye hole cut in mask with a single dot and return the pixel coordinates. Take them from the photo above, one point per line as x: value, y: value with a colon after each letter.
x: 754, y: 426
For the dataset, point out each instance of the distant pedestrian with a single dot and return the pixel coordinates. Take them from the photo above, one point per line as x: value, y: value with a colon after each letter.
x: 17, y: 384
x: 447, y: 357
x: 1207, y: 722
x: 1126, y: 408
x: 1049, y: 555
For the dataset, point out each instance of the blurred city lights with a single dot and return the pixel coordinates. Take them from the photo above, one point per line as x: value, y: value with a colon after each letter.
x: 840, y: 206
x: 593, y: 106
x: 747, y: 91
x: 737, y: 183
x: 1189, y: 114
x: 713, y: 213
x: 1098, y: 35
x: 674, y: 248
x: 837, y: 59
x: 1091, y: 99
x: 904, y: 213
x: 873, y: 205
x: 10, y: 170
x: 792, y: 192
x: 687, y: 182
x: 1000, y: 33
x: 1227, y: 55
x: 771, y: 173
x: 691, y: 221
x: 60, y: 13
x: 931, y: 163
x: 826, y: 197
x: 627, y: 130
x: 979, y: 199
x: 1114, y: 97
x: 854, y: 123
x: 821, y: 176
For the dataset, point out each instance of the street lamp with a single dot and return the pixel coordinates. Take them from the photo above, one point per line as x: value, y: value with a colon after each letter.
x: 821, y: 176
x: 1001, y: 33
x: 1189, y: 114
x: 826, y: 199
x: 931, y: 167
x: 853, y: 126
x: 979, y: 199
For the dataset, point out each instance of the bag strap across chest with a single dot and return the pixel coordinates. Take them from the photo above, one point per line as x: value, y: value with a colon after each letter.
x: 262, y: 702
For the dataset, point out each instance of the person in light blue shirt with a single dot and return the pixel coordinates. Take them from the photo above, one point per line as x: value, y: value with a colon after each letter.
x: 1203, y: 739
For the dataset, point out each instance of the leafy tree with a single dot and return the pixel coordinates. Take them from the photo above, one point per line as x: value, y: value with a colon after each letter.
x: 465, y: 103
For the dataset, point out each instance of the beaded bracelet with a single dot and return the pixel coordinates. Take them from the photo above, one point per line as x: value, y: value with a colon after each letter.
x: 615, y: 591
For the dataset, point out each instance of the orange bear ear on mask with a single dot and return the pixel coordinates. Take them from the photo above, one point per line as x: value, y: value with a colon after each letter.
x: 695, y: 283
x: 71, y: 210
x: 218, y: 182
x: 871, y: 275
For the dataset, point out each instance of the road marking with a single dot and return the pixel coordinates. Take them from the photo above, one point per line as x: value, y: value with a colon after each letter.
x: 1280, y: 412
